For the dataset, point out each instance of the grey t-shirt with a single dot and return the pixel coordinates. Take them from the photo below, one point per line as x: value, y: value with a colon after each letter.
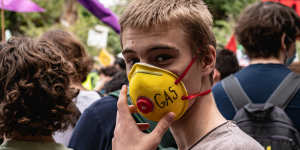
x: 227, y: 136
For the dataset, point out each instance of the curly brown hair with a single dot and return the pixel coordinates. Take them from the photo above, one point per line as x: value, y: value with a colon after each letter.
x: 35, y: 93
x: 262, y: 25
x: 73, y: 51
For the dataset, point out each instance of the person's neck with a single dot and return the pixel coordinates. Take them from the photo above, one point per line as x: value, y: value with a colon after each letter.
x: 266, y: 61
x: 202, y: 117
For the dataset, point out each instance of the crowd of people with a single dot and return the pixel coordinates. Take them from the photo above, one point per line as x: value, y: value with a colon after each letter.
x: 172, y: 89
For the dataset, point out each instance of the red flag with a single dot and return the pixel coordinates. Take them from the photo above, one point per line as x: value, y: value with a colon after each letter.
x: 270, y: 0
x: 295, y: 4
x: 231, y: 45
x: 289, y: 3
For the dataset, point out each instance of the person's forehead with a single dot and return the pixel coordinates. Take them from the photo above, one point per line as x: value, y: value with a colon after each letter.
x: 155, y: 29
x: 157, y: 34
x: 139, y: 33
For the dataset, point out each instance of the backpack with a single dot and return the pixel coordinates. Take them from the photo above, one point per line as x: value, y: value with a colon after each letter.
x: 267, y: 123
x: 167, y: 143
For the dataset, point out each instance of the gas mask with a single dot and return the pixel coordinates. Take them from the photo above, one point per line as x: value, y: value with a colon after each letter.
x: 157, y: 91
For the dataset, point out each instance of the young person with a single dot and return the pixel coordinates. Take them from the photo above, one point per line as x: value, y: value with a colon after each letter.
x: 172, y: 37
x: 35, y: 95
x: 74, y: 52
x: 268, y: 32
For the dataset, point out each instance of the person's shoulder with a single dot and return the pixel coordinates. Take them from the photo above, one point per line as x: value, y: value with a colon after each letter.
x: 217, y: 87
x: 105, y: 102
x: 245, y: 139
x: 103, y: 106
x: 228, y: 136
x: 234, y: 138
x: 96, y: 125
x: 219, y: 92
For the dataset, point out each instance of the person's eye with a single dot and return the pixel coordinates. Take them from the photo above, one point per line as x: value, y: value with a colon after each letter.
x: 163, y: 58
x: 132, y: 61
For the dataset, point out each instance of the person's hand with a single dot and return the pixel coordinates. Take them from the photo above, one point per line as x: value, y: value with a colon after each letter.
x: 128, y: 134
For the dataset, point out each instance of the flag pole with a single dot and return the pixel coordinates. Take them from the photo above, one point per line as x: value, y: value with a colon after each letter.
x: 2, y: 21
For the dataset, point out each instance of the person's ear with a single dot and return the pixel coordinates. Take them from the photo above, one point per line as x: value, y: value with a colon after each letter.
x: 216, y: 76
x: 209, y: 61
x: 283, y: 46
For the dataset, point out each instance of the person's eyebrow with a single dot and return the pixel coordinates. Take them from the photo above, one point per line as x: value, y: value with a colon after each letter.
x: 126, y: 51
x: 161, y: 47
x: 151, y: 49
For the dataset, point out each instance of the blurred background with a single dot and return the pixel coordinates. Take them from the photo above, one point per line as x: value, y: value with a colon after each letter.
x: 72, y: 16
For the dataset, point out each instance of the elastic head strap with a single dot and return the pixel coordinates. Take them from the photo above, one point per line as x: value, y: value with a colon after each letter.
x: 189, y: 97
x: 186, y: 70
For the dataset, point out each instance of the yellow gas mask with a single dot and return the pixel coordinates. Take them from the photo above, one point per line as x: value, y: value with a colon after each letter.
x: 157, y: 91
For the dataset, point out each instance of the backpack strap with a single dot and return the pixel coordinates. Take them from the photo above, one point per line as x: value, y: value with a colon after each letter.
x: 100, y: 93
x: 286, y: 91
x: 235, y: 92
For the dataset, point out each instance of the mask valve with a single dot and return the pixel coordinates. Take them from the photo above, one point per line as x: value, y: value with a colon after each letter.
x: 144, y: 105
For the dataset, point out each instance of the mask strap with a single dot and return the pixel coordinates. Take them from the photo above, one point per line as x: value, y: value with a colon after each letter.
x: 189, y: 97
x: 186, y: 70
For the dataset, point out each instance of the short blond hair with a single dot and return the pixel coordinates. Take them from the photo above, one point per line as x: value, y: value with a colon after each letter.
x: 192, y: 15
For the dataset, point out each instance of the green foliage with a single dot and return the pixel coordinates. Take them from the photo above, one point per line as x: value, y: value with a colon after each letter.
x: 32, y: 24
x: 225, y: 14
x: 114, y: 43
x: 234, y: 7
x: 37, y: 23
x: 222, y: 31
x: 84, y: 23
x: 222, y: 9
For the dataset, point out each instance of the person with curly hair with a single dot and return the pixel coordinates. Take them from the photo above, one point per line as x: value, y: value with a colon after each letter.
x: 35, y: 95
x: 74, y: 52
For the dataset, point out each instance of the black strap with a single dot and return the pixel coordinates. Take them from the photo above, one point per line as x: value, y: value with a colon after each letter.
x: 235, y: 92
x: 286, y: 91
x: 100, y: 93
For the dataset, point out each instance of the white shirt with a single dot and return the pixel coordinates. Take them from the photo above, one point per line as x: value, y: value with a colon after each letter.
x: 83, y: 100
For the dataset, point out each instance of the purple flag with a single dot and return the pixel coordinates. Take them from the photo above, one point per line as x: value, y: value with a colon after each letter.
x: 20, y: 6
x: 102, y: 13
